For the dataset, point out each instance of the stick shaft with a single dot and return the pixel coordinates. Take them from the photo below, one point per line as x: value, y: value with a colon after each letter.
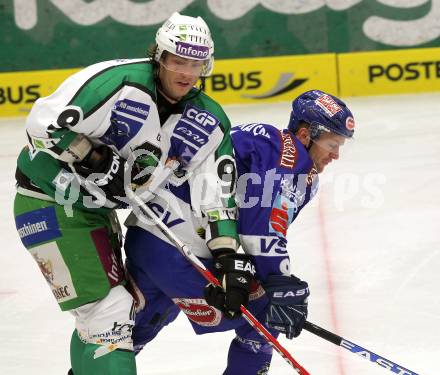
x: 197, y: 263
x: 356, y: 349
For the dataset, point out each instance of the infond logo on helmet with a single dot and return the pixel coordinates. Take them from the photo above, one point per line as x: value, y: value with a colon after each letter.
x: 190, y: 50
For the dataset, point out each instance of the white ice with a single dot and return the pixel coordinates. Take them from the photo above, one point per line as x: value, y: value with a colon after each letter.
x: 369, y: 246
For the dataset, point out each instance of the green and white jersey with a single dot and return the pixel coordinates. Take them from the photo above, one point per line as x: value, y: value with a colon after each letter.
x: 197, y: 134
x: 115, y: 103
x: 111, y: 103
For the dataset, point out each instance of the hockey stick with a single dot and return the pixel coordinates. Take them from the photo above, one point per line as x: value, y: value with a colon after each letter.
x: 356, y: 349
x: 188, y: 254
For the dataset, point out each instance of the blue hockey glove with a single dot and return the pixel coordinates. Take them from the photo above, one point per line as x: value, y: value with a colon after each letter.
x: 287, y: 311
x: 235, y: 272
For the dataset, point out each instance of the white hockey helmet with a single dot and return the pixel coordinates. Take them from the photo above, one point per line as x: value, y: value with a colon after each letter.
x: 188, y: 37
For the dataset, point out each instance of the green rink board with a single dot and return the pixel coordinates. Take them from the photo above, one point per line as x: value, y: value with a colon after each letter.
x: 48, y: 34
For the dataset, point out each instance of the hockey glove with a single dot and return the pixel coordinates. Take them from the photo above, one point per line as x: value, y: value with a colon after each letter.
x: 146, y: 161
x: 287, y: 311
x: 110, y: 166
x: 236, y: 273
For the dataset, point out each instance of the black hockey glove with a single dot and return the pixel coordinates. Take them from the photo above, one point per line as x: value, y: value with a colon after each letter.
x: 110, y: 166
x: 236, y: 273
x: 146, y: 161
x: 287, y: 311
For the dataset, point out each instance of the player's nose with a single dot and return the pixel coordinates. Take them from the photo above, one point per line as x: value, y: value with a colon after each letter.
x: 335, y: 154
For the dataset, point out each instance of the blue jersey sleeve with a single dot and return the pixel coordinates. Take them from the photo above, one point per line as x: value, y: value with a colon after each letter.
x: 276, y: 180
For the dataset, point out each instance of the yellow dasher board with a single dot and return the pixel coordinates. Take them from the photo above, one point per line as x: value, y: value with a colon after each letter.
x: 253, y: 80
x: 19, y: 90
x: 271, y: 79
x: 389, y: 72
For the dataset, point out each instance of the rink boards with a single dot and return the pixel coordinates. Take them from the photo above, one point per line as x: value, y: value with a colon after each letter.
x: 270, y: 79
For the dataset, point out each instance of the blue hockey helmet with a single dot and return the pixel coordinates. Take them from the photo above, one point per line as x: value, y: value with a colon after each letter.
x: 324, y: 112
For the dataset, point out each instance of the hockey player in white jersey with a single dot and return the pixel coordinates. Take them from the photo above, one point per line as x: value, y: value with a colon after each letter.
x: 277, y: 177
x: 70, y: 178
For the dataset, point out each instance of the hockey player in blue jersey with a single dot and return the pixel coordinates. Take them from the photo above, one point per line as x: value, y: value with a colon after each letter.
x: 277, y: 176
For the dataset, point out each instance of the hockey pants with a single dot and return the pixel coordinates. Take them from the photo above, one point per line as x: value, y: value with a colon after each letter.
x: 170, y: 284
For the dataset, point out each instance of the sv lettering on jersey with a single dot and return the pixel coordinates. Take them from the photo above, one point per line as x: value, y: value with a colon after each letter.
x: 165, y: 215
x: 275, y: 245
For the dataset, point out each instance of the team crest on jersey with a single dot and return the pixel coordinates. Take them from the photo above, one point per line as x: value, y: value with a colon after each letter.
x: 292, y: 192
x: 197, y: 310
x: 125, y: 122
x: 55, y: 271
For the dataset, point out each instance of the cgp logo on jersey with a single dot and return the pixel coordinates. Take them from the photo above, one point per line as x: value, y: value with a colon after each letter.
x: 37, y: 226
x: 200, y: 118
x: 191, y: 132
x: 197, y: 310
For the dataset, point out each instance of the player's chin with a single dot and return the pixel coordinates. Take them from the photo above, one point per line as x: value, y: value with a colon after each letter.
x: 321, y: 166
x: 183, y: 90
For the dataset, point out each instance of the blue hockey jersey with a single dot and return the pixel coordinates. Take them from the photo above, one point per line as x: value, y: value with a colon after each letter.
x: 276, y: 179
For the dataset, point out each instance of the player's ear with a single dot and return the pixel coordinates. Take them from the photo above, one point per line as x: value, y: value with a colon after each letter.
x: 303, y: 134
